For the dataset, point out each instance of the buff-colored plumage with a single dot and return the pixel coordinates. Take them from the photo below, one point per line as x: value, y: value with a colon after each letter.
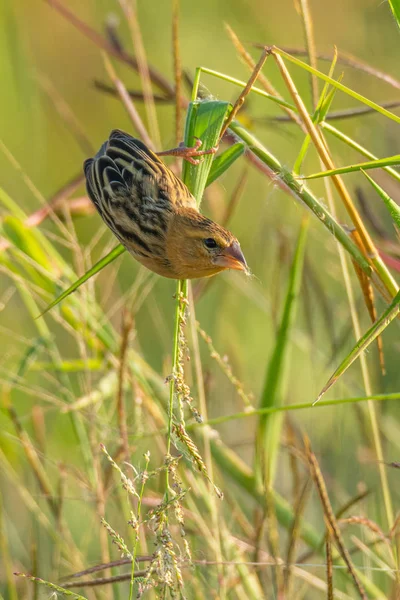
x: 154, y: 215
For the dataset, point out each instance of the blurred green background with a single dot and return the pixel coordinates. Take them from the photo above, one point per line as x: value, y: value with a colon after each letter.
x: 38, y: 49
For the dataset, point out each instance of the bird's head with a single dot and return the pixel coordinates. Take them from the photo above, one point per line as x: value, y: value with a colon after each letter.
x: 198, y: 247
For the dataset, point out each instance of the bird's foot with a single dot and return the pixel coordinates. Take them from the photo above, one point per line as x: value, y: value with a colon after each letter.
x: 189, y: 153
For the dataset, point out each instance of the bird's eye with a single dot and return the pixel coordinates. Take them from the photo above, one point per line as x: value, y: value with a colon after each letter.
x: 210, y: 243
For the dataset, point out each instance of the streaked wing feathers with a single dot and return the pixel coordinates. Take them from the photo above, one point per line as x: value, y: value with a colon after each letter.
x: 126, y: 163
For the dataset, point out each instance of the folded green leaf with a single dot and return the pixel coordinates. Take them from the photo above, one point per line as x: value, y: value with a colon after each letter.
x: 204, y: 121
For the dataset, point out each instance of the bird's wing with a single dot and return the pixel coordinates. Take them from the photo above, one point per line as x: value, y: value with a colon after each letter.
x: 125, y: 165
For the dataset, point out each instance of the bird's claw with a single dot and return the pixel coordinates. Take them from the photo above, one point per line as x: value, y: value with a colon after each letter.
x: 189, y: 152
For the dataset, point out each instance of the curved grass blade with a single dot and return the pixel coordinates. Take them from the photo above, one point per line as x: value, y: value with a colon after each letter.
x: 395, y: 7
x: 337, y: 84
x: 374, y: 164
x: 377, y: 328
x: 273, y: 393
x: 25, y: 239
x: 391, y: 205
x: 301, y: 192
x: 106, y: 260
x: 222, y: 162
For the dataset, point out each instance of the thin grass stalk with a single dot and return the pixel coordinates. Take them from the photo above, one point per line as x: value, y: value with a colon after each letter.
x: 128, y: 104
x: 329, y: 566
x: 335, y: 115
x: 301, y: 192
x: 366, y: 381
x: 320, y: 145
x: 206, y: 441
x: 177, y: 71
x: 129, y: 8
x: 356, y: 146
x: 6, y: 557
x: 34, y: 191
x: 99, y: 492
x: 127, y: 324
x: 250, y: 412
x: 272, y: 531
x: 37, y: 512
x: 349, y: 61
x: 273, y: 393
x: 365, y: 373
x: 137, y: 525
x: 240, y: 83
x: 310, y: 46
x: 266, y: 84
x: 31, y: 455
x: 329, y: 515
x: 76, y: 419
x: 66, y: 114
x: 369, y: 299
x: 245, y: 92
x: 225, y: 368
x: 298, y: 510
x: 56, y: 589
x: 181, y: 291
x: 103, y: 44
x: 338, y: 85
x: 316, y: 118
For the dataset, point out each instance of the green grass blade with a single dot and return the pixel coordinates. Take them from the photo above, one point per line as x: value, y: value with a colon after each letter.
x: 106, y: 260
x: 392, y: 206
x: 254, y: 89
x: 377, y: 328
x: 25, y: 240
x: 294, y: 407
x: 222, y: 162
x: 232, y: 465
x: 326, y: 104
x: 395, y: 7
x: 356, y: 146
x: 11, y: 205
x: 204, y: 121
x: 338, y: 85
x: 56, y: 589
x: 69, y: 366
x: 374, y: 164
x: 28, y: 256
x: 302, y: 193
x: 322, y: 108
x: 269, y: 425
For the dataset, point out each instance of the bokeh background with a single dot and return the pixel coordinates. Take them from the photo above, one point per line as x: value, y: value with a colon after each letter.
x: 47, y: 67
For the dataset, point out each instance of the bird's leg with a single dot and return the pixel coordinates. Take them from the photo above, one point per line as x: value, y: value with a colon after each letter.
x: 189, y: 152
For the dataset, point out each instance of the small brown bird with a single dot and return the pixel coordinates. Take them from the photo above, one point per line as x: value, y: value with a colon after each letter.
x: 154, y: 215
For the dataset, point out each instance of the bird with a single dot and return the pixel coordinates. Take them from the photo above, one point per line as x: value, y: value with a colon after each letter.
x: 154, y: 215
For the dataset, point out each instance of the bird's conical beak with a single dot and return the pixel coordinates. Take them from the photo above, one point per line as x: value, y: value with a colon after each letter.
x: 232, y: 258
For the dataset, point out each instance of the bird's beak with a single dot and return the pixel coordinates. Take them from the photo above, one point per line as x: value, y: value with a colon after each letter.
x: 232, y: 258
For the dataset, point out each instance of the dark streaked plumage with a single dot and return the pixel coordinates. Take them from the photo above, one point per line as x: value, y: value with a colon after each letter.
x: 153, y: 214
